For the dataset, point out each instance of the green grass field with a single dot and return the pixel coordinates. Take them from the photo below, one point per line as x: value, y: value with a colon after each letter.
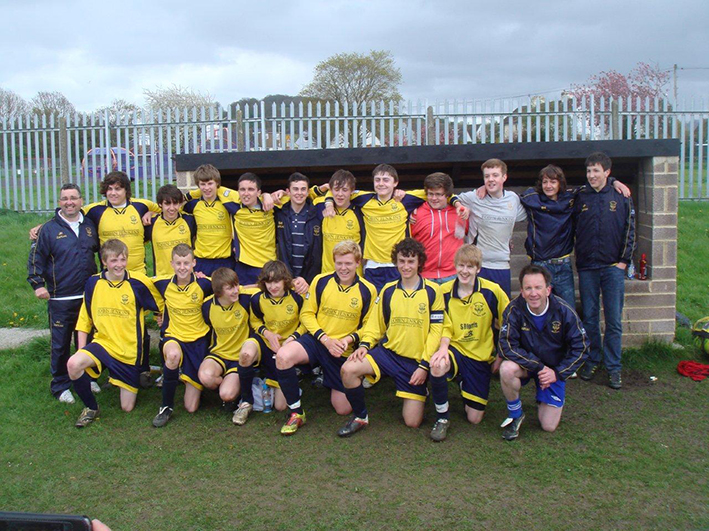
x: 632, y: 459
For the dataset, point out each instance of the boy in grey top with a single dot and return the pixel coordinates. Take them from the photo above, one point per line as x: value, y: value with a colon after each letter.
x: 493, y: 218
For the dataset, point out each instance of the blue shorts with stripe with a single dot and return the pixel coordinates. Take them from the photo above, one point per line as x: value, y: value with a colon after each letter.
x: 228, y: 366
x: 554, y: 395
x: 498, y: 276
x: 210, y: 265
x: 193, y: 353
x: 330, y: 364
x: 266, y: 360
x: 120, y: 374
x: 474, y: 376
x: 400, y: 369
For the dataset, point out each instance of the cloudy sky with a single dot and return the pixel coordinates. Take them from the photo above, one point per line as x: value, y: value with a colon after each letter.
x: 95, y: 52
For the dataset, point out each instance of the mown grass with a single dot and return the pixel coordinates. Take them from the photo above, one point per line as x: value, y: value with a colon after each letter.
x: 630, y: 459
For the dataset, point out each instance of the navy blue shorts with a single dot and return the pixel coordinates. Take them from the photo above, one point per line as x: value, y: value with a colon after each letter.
x: 400, y: 369
x: 381, y: 275
x: 228, y: 366
x: 266, y: 360
x: 210, y: 265
x: 193, y: 353
x: 330, y: 364
x: 498, y: 276
x: 474, y: 376
x: 554, y: 395
x: 247, y: 274
x: 120, y: 374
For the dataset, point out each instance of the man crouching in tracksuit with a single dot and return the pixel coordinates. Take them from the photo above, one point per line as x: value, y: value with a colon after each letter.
x: 541, y: 338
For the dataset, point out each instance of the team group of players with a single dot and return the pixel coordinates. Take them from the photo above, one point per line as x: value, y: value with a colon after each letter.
x: 325, y: 277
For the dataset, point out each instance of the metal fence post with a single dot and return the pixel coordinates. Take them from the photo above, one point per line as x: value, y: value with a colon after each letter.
x: 614, y: 120
x: 240, y: 130
x: 63, y: 153
x: 430, y: 127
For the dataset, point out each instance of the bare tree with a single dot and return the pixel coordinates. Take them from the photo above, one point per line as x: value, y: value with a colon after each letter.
x: 52, y: 103
x: 177, y: 97
x: 12, y: 104
x: 355, y: 77
x: 119, y: 110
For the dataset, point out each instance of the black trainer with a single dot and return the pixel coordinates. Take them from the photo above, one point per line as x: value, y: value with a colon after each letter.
x: 162, y: 417
x: 353, y: 425
x: 510, y: 428
x: 614, y: 380
x: 588, y: 371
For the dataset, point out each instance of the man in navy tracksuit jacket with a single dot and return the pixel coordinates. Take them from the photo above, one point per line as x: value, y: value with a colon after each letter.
x: 605, y: 240
x: 541, y: 338
x: 60, y: 262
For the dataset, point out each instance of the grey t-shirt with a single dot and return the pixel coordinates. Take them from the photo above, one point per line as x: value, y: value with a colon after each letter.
x: 493, y: 220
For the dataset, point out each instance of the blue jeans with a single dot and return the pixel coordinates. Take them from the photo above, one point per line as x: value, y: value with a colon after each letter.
x: 609, y: 282
x: 562, y: 275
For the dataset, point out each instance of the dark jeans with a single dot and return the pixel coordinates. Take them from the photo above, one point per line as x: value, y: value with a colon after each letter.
x: 610, y: 283
x: 63, y: 316
x: 562, y: 283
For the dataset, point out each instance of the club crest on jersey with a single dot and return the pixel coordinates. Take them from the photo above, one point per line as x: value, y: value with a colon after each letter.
x: 422, y: 308
x: 134, y: 220
x: 124, y: 299
x: 349, y: 224
x: 354, y: 302
x: 61, y: 235
x: 194, y: 297
x: 555, y: 327
x: 89, y: 232
x: 316, y: 230
x: 181, y: 229
x: 478, y: 308
x: 290, y: 309
x: 613, y: 206
x: 394, y: 206
x: 584, y: 208
x: 220, y: 216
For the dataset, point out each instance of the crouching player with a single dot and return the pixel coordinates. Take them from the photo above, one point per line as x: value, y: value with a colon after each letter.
x: 541, y: 338
x: 336, y: 305
x: 408, y: 315
x: 467, y: 351
x: 275, y: 317
x: 227, y: 314
x: 113, y: 306
x: 185, y: 335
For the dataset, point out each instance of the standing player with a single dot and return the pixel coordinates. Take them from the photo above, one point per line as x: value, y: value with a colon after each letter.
x: 605, y: 240
x: 169, y: 229
x: 337, y: 304
x: 437, y: 226
x: 185, y: 335
x: 494, y: 217
x: 227, y: 314
x: 346, y: 223
x: 472, y: 306
x: 113, y: 309
x: 408, y: 319
x: 60, y: 263
x: 541, y: 338
x: 213, y: 244
x: 275, y: 319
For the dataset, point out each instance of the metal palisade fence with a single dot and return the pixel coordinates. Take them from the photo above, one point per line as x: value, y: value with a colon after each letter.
x: 39, y: 153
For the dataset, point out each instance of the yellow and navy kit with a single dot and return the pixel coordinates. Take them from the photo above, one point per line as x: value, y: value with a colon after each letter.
x: 386, y: 222
x: 214, y: 231
x: 123, y: 224
x: 409, y: 323
x: 229, y: 325
x: 115, y: 310
x: 346, y: 224
x: 254, y: 233
x: 182, y: 318
x: 280, y: 316
x: 165, y: 235
x: 336, y: 310
x: 468, y: 321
